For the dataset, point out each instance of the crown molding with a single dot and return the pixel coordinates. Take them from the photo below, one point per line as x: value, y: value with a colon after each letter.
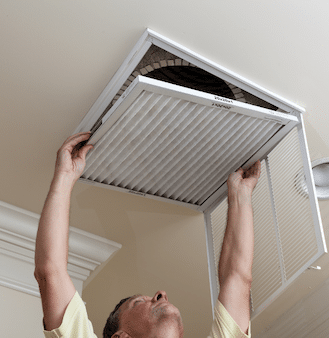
x: 88, y: 253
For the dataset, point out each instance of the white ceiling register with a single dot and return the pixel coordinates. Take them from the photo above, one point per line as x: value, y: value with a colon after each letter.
x: 177, y: 144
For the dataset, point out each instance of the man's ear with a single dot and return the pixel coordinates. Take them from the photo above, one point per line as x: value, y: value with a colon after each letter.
x: 121, y: 334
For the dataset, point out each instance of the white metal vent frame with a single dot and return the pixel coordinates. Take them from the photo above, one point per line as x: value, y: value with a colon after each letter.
x: 150, y: 37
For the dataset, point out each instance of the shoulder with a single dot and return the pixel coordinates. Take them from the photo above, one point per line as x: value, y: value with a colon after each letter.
x: 224, y: 325
x: 75, y: 322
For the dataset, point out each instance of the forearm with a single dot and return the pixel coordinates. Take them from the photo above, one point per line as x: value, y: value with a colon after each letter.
x: 237, y: 249
x: 52, y: 236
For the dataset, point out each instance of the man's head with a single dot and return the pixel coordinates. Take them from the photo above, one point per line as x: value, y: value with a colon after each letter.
x: 143, y: 316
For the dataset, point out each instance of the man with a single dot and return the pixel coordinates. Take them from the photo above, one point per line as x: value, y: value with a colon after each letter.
x: 139, y: 316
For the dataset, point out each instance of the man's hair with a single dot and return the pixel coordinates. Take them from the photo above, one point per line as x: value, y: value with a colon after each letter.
x: 112, y: 323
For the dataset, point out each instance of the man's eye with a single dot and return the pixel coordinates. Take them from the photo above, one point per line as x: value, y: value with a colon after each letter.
x: 138, y: 301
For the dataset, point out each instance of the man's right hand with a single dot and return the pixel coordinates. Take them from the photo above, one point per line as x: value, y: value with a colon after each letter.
x: 242, y: 182
x: 70, y: 160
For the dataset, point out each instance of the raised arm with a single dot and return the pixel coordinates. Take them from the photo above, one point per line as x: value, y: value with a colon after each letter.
x: 235, y: 263
x: 51, y: 253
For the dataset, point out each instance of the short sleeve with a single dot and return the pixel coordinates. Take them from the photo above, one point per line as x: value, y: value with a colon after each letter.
x: 75, y: 322
x: 224, y: 325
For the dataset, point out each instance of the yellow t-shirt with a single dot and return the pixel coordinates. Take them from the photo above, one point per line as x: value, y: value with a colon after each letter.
x: 224, y: 325
x: 76, y: 324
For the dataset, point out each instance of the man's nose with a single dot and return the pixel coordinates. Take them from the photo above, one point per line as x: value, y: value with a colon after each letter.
x: 159, y: 295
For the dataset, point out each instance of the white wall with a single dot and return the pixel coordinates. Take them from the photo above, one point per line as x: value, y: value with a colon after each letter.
x: 20, y: 314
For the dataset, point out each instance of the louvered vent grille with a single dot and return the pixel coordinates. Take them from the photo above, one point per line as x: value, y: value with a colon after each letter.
x: 298, y: 241
x: 177, y: 148
x: 267, y: 276
x: 283, y: 226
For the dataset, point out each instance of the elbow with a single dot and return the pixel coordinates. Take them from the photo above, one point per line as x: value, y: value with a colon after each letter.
x: 36, y: 274
x: 39, y: 274
x: 43, y: 276
x: 243, y: 275
x: 247, y: 279
x: 45, y: 271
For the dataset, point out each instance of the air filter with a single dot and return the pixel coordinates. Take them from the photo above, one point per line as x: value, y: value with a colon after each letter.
x: 171, y: 142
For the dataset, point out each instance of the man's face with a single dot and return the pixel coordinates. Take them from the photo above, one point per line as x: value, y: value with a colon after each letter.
x: 143, y: 316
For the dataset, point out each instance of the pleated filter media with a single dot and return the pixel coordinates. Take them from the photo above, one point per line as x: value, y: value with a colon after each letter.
x: 285, y: 238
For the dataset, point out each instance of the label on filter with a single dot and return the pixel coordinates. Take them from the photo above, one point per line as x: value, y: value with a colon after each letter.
x: 219, y: 105
x: 221, y: 102
x: 222, y: 99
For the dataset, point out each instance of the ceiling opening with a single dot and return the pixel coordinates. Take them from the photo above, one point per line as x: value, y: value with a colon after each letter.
x: 160, y: 64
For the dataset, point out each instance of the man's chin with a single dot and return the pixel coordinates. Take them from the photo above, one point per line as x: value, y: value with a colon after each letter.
x: 166, y: 310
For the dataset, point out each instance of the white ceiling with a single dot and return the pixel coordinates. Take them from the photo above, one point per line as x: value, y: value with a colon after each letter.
x: 57, y: 56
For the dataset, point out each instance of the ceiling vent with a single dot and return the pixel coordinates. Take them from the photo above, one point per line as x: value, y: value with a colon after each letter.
x: 172, y: 125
